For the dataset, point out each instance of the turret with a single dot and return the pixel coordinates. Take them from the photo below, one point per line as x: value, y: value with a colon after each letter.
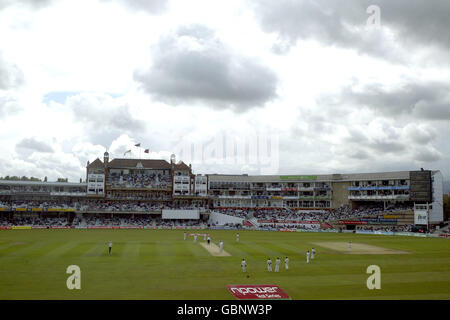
x: 106, y: 158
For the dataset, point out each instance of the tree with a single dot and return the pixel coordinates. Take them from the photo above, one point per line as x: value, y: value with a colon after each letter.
x: 16, y: 178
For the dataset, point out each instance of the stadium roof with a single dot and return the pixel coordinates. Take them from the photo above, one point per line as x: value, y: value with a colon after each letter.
x: 97, y: 164
x: 42, y: 183
x: 305, y: 178
x: 181, y: 166
x: 134, y: 163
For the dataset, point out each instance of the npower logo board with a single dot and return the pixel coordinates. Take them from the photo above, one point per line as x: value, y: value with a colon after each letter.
x: 259, y: 291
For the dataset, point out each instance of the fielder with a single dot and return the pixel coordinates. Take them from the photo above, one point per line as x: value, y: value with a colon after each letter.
x: 195, y: 238
x: 110, y: 248
x: 313, y: 253
x: 269, y: 265
x: 204, y: 237
x: 185, y: 235
x: 243, y: 265
x: 286, y: 263
x: 277, y: 265
x: 307, y: 256
x: 349, y: 245
x: 221, y: 246
x: 237, y: 237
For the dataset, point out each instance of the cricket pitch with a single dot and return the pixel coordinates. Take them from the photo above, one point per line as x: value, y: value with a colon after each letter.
x: 214, y: 250
x: 357, y: 248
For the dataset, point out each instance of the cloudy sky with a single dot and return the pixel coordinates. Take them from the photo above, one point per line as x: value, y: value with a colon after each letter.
x: 326, y: 88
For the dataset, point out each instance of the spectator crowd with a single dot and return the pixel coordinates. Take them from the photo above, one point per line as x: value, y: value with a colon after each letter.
x: 140, y: 180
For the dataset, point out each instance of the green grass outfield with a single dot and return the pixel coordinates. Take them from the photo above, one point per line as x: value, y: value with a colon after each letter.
x: 159, y: 264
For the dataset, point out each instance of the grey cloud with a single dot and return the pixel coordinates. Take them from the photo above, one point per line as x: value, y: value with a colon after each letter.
x: 34, y: 145
x: 8, y: 106
x: 427, y: 155
x: 10, y: 75
x: 387, y: 146
x: 426, y: 100
x: 359, y: 154
x: 102, y: 114
x: 150, y: 6
x: 342, y: 23
x: 435, y: 109
x: 421, y: 136
x: 33, y: 4
x: 360, y: 147
x: 355, y: 136
x: 192, y: 66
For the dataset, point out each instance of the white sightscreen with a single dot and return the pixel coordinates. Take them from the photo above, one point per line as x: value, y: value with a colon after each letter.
x: 180, y: 214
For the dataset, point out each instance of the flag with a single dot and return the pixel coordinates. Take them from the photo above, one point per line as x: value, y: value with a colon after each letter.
x: 138, y: 144
x: 129, y: 151
x: 147, y: 150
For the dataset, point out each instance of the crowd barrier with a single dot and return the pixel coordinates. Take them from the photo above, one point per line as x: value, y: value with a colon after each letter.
x: 370, y: 232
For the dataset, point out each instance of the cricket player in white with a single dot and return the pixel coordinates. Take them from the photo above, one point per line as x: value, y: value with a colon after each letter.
x: 243, y: 265
x: 277, y: 265
x: 237, y: 237
x: 307, y: 256
x: 195, y: 238
x: 185, y: 235
x: 204, y: 237
x: 286, y: 263
x: 349, y: 245
x: 269, y: 265
x: 221, y: 246
x: 313, y: 252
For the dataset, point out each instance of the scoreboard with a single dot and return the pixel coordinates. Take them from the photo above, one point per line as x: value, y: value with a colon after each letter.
x: 420, y: 186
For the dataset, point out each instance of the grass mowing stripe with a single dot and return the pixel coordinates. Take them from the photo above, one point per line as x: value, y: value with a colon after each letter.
x: 180, y: 249
x: 235, y: 250
x: 251, y: 249
x: 14, y: 247
x: 148, y: 252
x: 35, y: 253
x: 197, y: 250
x: 261, y: 246
x: 26, y: 250
x: 297, y: 248
x: 5, y: 245
x: 282, y: 250
x: 79, y: 251
x: 60, y: 249
x: 96, y: 249
x: 131, y: 250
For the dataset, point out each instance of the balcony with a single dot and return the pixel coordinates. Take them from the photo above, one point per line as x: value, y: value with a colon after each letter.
x: 305, y: 188
x: 323, y: 188
x: 379, y: 197
x: 71, y: 194
x: 232, y: 197
x: 259, y: 188
x: 377, y: 188
x: 306, y: 198
x: 322, y: 197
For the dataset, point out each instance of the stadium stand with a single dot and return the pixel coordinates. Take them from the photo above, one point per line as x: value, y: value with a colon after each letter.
x: 135, y: 191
